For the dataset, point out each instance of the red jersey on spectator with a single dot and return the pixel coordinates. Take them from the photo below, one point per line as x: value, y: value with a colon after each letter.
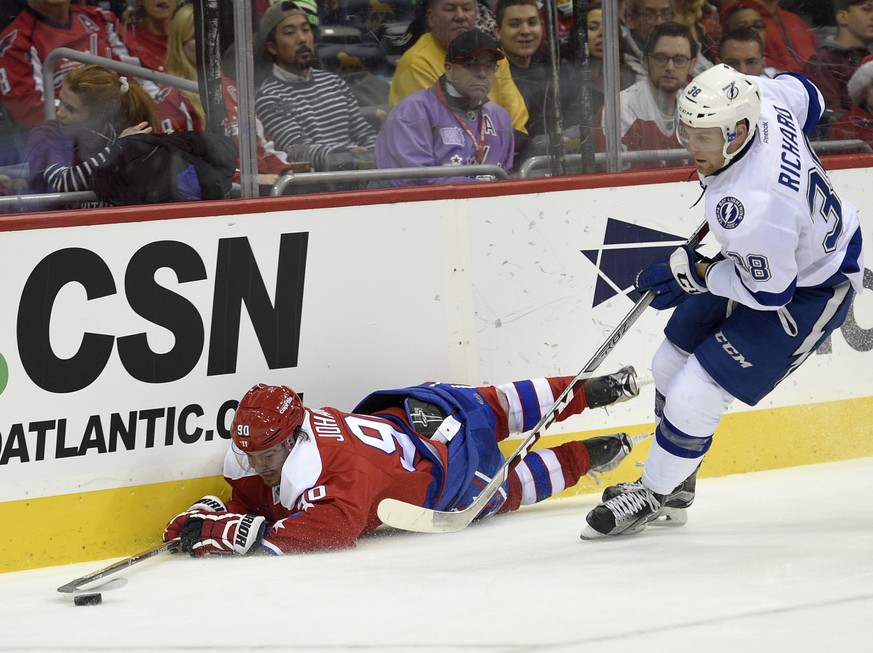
x: 856, y: 124
x: 830, y: 69
x: 148, y: 47
x: 643, y: 125
x: 30, y: 38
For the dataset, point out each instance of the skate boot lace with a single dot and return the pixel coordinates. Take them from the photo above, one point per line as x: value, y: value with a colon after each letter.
x: 626, y: 506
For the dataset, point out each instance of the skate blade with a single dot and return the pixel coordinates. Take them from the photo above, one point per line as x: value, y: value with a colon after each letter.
x: 672, y: 517
x: 589, y: 533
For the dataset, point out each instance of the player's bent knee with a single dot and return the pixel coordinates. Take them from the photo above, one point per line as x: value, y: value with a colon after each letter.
x: 666, y: 362
x: 695, y: 402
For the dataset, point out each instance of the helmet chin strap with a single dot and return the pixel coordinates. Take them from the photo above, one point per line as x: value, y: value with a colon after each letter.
x: 728, y: 156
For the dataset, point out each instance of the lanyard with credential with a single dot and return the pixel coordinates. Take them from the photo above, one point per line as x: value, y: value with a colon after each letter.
x: 478, y: 144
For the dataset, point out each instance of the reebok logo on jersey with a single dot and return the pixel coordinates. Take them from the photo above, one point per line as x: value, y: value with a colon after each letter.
x: 729, y: 212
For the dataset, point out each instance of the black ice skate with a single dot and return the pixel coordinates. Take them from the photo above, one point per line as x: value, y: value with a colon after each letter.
x: 675, y: 505
x: 612, y: 388
x: 625, y: 514
x: 607, y: 451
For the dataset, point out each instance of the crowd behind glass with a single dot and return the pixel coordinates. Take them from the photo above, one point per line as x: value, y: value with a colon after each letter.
x: 348, y: 86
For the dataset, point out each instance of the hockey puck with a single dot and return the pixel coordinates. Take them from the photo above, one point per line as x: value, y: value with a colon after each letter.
x: 88, y: 599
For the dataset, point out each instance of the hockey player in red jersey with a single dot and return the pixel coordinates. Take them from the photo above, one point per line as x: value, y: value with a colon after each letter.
x: 307, y: 479
x: 41, y: 27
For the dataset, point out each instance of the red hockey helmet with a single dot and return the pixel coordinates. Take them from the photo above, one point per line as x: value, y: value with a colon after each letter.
x: 266, y: 416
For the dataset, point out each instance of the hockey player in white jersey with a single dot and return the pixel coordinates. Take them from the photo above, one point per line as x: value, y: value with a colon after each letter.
x: 789, y: 266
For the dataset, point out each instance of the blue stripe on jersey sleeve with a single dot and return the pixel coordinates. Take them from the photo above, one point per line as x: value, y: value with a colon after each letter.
x: 774, y: 299
x: 815, y: 110
x: 530, y: 405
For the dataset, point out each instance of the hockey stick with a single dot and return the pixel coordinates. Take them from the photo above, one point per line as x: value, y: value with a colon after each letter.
x: 409, y: 517
x: 76, y: 586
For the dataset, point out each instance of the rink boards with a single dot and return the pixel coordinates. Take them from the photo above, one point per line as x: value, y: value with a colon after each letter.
x: 129, y: 335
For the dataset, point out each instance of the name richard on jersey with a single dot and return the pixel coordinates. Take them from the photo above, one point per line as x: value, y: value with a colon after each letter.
x: 789, y: 166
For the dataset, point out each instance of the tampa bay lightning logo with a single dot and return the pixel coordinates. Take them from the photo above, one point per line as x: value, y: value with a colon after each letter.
x: 729, y: 212
x: 731, y: 91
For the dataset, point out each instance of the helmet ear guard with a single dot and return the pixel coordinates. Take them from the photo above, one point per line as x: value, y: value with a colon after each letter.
x: 721, y: 97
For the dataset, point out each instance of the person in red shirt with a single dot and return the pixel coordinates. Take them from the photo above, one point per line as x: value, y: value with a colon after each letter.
x: 789, y: 41
x: 146, y: 28
x: 839, y: 56
x: 307, y: 479
x: 648, y: 107
x: 41, y: 27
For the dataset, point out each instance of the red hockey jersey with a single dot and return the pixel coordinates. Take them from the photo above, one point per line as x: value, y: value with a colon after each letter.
x: 333, y: 480
x: 30, y: 38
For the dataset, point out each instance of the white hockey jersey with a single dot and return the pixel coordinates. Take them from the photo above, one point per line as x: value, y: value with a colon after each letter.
x: 774, y: 211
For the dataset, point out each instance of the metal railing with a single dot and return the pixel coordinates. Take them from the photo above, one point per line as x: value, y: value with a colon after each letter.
x: 538, y: 166
x: 39, y: 201
x: 484, y: 171
x: 118, y: 66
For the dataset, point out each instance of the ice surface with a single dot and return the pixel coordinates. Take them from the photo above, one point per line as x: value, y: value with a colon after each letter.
x: 771, y: 561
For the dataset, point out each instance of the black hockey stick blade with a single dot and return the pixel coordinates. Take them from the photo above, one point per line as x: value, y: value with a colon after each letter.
x: 409, y: 517
x: 86, y: 583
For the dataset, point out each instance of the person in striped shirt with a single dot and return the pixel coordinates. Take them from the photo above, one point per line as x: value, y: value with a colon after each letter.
x: 310, y: 114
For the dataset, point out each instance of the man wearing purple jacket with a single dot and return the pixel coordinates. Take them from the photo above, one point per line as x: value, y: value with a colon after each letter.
x: 453, y: 122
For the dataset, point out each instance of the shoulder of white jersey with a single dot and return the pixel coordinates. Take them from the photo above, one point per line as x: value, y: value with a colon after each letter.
x: 799, y: 95
x: 302, y: 468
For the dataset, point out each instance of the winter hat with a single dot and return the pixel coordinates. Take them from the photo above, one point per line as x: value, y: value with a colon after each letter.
x: 860, y: 81
x: 308, y: 6
x: 271, y: 18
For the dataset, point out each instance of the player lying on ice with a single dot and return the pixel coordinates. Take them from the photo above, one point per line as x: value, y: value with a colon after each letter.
x: 789, y: 266
x: 306, y: 479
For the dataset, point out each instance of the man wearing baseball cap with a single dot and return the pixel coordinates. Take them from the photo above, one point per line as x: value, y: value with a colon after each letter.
x: 422, y: 64
x: 452, y: 122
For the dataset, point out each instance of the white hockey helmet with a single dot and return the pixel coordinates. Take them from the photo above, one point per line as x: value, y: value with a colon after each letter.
x: 720, y: 97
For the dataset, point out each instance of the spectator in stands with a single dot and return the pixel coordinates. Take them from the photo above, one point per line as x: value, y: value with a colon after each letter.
x: 520, y: 32
x: 96, y: 109
x: 423, y: 63
x: 311, y: 114
x: 743, y: 49
x: 183, y: 110
x: 789, y: 42
x: 648, y: 108
x: 642, y: 17
x: 690, y: 14
x: 41, y: 27
x: 839, y: 56
x: 145, y: 31
x: 453, y: 122
x: 857, y: 123
x: 595, y: 44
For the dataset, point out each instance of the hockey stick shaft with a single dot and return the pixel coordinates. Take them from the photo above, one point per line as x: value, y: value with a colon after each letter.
x: 415, y: 518
x: 76, y: 584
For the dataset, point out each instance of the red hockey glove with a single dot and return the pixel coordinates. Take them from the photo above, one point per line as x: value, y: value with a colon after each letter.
x: 222, y: 533
x: 205, y: 505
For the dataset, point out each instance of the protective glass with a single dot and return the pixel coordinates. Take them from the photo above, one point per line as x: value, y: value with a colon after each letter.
x: 265, y: 461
